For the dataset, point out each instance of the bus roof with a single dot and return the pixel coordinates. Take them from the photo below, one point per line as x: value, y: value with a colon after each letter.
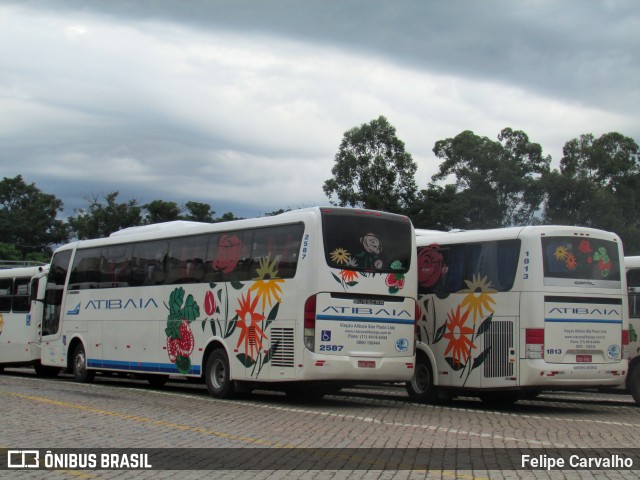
x: 181, y: 228
x: 632, y: 262
x: 507, y: 233
x: 22, y: 271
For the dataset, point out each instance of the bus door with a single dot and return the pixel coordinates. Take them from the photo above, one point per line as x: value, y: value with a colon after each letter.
x: 52, y: 353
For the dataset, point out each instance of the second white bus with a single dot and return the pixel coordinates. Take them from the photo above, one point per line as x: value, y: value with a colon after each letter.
x: 21, y: 293
x: 304, y: 301
x: 632, y: 268
x: 510, y: 312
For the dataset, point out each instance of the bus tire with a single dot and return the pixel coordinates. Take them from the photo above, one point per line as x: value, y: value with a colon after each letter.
x: 218, y: 375
x: 634, y: 383
x: 79, y: 366
x: 421, y: 387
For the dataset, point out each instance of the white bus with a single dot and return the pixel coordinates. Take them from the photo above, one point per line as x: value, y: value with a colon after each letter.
x: 303, y: 301
x: 509, y: 312
x: 21, y: 293
x: 632, y: 267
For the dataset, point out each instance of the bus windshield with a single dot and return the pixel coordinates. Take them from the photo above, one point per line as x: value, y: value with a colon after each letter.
x: 368, y: 242
x: 589, y: 261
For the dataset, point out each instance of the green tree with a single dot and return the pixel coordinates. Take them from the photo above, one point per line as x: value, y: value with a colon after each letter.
x: 373, y: 170
x: 159, y: 211
x: 598, y: 185
x: 497, y: 183
x: 101, y: 219
x: 199, y: 212
x: 28, y: 218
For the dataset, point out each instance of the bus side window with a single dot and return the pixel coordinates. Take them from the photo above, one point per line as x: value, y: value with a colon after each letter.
x: 6, y: 288
x: 185, y: 262
x: 290, y: 240
x: 21, y: 297
x: 633, y: 283
x: 116, y: 266
x: 149, y: 260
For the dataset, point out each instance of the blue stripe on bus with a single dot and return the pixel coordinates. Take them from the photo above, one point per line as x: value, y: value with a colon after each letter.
x: 581, y: 320
x: 139, y: 366
x: 364, y: 319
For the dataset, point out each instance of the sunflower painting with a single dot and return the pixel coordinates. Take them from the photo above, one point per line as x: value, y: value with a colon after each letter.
x: 267, y: 283
x: 461, y: 329
x: 478, y: 299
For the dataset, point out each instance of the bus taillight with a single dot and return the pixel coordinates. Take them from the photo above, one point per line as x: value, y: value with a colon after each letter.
x: 625, y: 344
x: 534, y: 343
x: 310, y: 322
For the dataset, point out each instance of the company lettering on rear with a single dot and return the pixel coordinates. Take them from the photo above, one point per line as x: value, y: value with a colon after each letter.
x: 342, y: 310
x: 584, y: 311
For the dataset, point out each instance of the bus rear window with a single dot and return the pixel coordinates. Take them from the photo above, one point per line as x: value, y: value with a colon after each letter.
x: 580, y: 261
x: 367, y: 241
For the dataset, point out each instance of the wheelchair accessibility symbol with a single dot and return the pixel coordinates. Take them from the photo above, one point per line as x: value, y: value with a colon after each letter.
x: 325, y: 336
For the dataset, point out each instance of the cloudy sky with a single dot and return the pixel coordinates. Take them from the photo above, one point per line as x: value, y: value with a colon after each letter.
x: 243, y: 104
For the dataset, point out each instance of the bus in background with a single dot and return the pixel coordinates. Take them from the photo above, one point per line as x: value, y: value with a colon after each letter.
x: 632, y: 268
x: 21, y: 293
x: 509, y: 312
x: 305, y: 302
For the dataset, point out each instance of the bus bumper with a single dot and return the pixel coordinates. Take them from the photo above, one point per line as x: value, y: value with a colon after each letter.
x: 357, y: 369
x: 538, y: 373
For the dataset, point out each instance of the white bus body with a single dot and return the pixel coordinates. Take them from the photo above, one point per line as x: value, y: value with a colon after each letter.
x: 509, y: 312
x: 21, y: 293
x: 632, y: 268
x: 308, y: 298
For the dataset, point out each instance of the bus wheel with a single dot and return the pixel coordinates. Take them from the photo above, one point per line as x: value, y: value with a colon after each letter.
x: 634, y: 383
x: 218, y: 376
x: 421, y: 387
x: 80, y: 371
x: 46, y: 372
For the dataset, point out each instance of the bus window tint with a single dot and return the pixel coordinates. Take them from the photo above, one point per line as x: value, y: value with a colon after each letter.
x: 633, y: 283
x: 462, y: 265
x: 185, y: 263
x: 367, y: 242
x: 53, y: 295
x: 116, y: 266
x: 580, y: 259
x: 6, y: 287
x: 85, y: 272
x: 275, y: 251
x: 148, y: 263
x: 21, y: 297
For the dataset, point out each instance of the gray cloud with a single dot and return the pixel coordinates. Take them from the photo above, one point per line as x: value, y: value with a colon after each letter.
x: 243, y: 104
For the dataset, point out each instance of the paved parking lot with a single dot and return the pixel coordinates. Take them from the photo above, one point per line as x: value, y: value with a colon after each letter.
x: 116, y: 413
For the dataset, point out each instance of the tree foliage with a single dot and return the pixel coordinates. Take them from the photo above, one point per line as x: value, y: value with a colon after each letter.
x: 28, y: 217
x: 159, y: 211
x: 597, y: 185
x: 497, y: 183
x: 101, y: 219
x: 373, y: 170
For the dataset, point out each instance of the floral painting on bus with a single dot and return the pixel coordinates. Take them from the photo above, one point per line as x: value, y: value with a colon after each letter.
x: 467, y: 321
x: 359, y: 265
